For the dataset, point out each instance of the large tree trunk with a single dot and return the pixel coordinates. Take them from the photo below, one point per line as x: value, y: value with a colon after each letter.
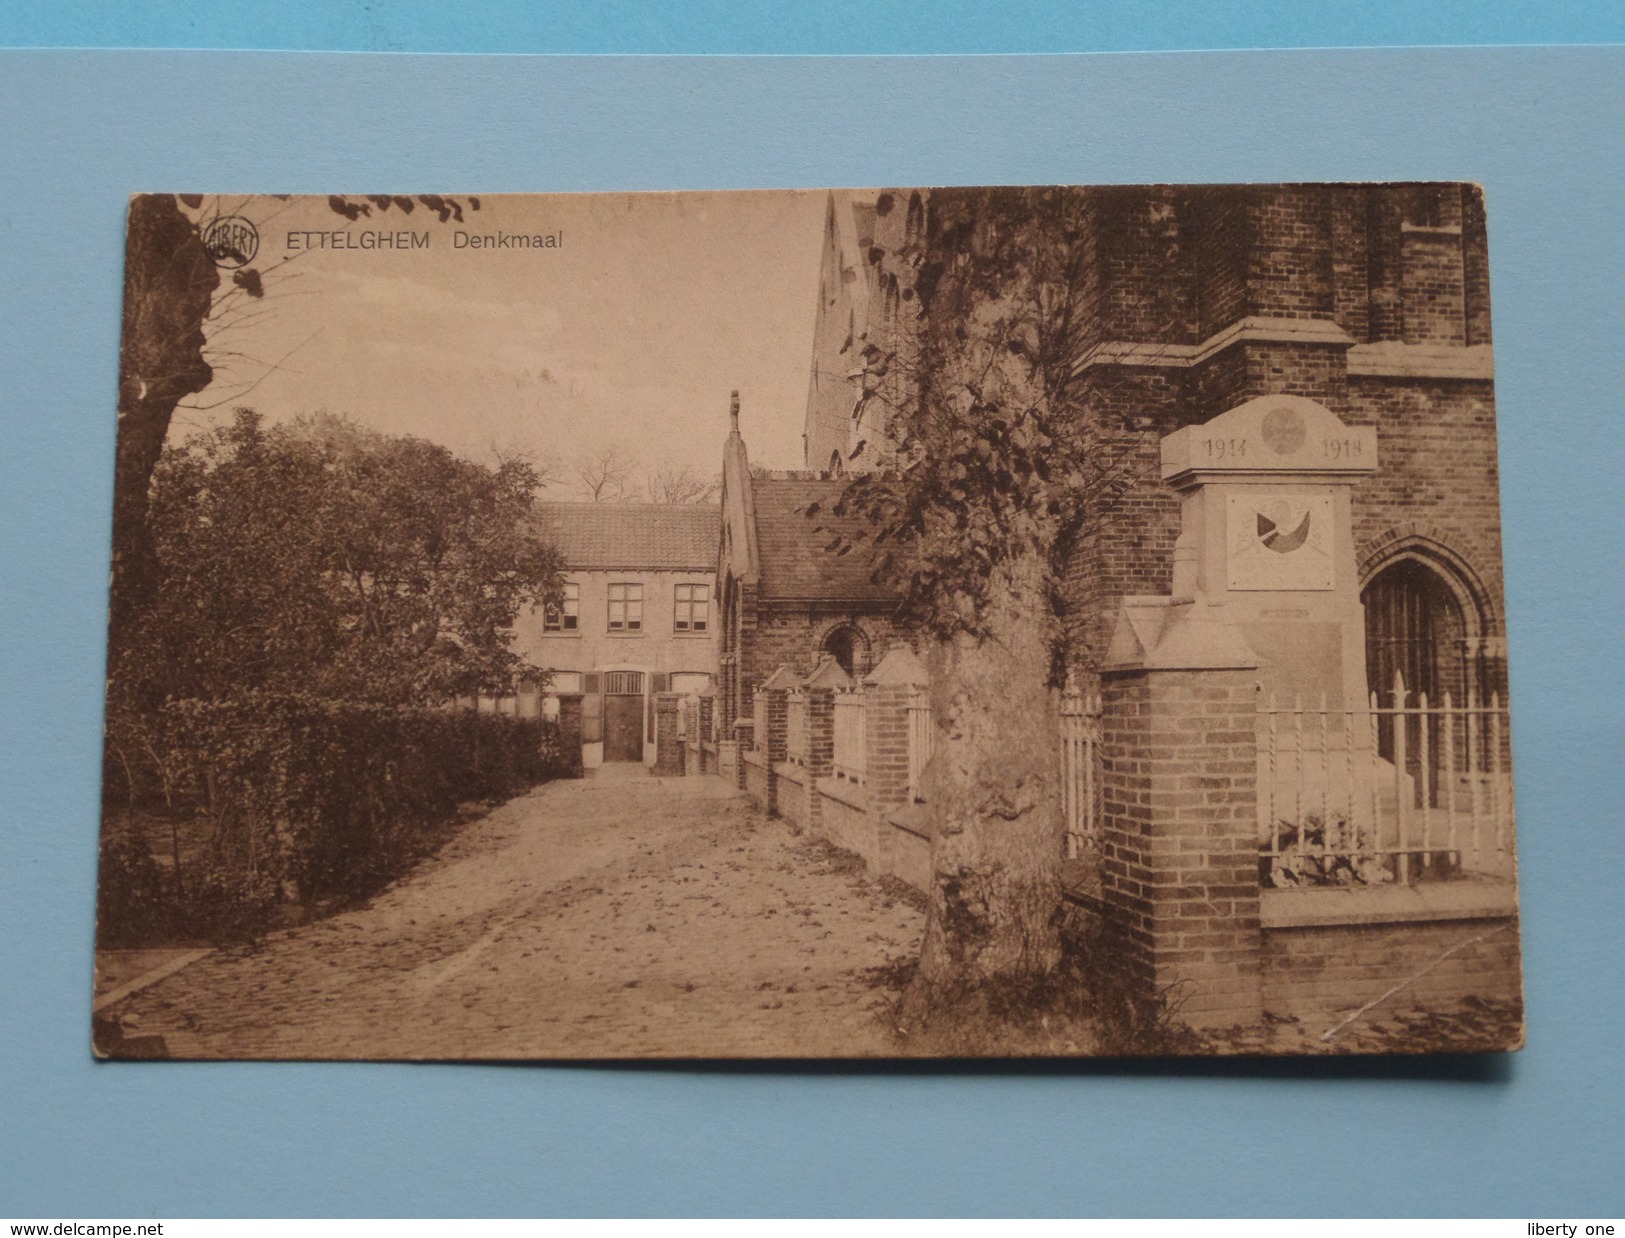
x: 994, y: 793
x: 169, y: 285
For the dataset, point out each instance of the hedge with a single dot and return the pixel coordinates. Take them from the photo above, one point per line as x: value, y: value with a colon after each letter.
x: 309, y: 800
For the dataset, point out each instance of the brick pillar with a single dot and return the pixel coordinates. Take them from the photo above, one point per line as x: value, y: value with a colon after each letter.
x: 1179, y: 872
x: 888, y: 690
x: 570, y: 733
x: 775, y: 744
x: 886, y: 731
x: 820, y: 751
x: 745, y: 731
x: 668, y: 743
x: 707, y: 712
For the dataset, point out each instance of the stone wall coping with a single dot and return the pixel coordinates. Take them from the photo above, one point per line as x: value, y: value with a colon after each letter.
x: 750, y: 756
x: 788, y: 771
x: 1393, y: 359
x: 844, y: 792
x: 1254, y: 329
x: 913, y: 819
x: 1437, y: 230
x: 1445, y: 900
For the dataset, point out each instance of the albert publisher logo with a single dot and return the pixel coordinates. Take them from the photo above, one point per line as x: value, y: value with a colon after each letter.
x: 231, y: 241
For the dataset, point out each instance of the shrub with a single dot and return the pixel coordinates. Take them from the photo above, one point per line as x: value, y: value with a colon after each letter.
x: 1318, y: 853
x: 133, y: 903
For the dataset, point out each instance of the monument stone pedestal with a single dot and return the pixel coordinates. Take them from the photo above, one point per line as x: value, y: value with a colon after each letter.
x: 1266, y: 556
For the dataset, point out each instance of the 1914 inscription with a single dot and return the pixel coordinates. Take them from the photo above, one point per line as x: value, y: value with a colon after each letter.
x: 1225, y: 448
x: 1217, y: 449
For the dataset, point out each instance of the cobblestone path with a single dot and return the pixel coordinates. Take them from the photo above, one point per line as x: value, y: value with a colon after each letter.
x: 618, y: 916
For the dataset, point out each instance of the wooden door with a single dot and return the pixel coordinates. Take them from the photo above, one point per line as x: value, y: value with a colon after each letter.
x: 623, y: 716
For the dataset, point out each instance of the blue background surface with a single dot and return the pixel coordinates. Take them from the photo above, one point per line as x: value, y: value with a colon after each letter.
x: 854, y: 27
x: 1536, y: 1134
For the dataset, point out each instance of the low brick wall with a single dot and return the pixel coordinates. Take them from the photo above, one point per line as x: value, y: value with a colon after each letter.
x: 1325, y: 974
x: 895, y: 844
x: 873, y: 820
x: 755, y: 767
x: 847, y: 821
x: 792, y: 796
x: 1326, y: 953
x: 905, y: 848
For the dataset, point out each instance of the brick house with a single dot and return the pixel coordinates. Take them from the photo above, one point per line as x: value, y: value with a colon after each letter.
x: 788, y: 596
x: 639, y: 616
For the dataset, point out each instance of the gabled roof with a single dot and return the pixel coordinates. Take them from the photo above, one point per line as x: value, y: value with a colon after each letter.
x: 794, y: 542
x: 781, y: 535
x: 632, y: 536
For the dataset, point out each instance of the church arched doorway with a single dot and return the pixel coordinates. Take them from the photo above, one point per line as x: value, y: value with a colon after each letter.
x: 849, y: 646
x: 1415, y: 627
x: 1425, y: 625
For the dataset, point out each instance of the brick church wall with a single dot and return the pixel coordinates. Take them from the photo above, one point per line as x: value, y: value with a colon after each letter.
x: 1436, y: 444
x: 790, y: 635
x: 1388, y: 264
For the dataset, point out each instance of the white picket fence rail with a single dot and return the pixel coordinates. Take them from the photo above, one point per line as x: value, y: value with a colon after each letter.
x: 851, y: 758
x: 1080, y: 769
x: 795, y: 728
x: 1377, y: 794
x: 922, y: 734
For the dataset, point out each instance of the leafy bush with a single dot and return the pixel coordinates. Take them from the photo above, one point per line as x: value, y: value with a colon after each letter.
x: 317, y: 592
x: 133, y: 898
x: 1321, y: 853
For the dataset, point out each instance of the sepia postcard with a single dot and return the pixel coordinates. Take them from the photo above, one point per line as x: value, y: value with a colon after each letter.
x: 853, y: 623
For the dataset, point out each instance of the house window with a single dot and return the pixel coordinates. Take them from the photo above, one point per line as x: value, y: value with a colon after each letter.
x: 626, y: 608
x: 693, y: 608
x: 565, y: 618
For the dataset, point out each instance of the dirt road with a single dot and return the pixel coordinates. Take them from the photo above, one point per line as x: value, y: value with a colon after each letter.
x: 618, y: 916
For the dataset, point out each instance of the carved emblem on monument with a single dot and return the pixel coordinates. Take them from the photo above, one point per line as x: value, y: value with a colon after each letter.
x: 1282, y: 430
x: 1280, y: 541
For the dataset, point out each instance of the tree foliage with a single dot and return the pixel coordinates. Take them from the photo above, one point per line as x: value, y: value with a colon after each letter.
x: 169, y: 350
x: 322, y: 592
x: 1005, y: 459
x: 1001, y: 466
x: 324, y: 558
x: 303, y: 799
